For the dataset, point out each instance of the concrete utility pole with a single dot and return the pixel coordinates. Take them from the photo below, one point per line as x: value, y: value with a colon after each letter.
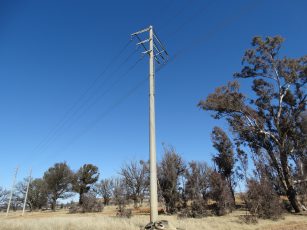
x: 159, y: 58
x: 26, y: 196
x: 12, y: 190
x: 152, y: 134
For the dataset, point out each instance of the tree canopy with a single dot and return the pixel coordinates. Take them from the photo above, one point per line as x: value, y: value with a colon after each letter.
x: 268, y: 121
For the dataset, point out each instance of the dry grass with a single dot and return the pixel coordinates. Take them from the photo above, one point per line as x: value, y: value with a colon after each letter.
x: 62, y: 220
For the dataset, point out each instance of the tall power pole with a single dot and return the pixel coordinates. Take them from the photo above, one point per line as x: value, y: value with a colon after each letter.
x: 26, y: 196
x: 153, y: 43
x: 12, y: 191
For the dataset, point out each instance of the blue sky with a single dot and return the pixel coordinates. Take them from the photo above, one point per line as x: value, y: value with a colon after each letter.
x: 52, y: 51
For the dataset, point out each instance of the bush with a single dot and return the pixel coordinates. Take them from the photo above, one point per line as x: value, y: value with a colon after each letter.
x: 198, y: 209
x: 221, y: 194
x: 89, y: 204
x: 302, y: 194
x: 122, y: 211
x: 262, y: 201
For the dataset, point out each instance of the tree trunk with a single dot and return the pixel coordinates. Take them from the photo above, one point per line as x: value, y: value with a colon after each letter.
x: 53, y: 204
x: 81, y: 198
x: 136, y: 202
x: 291, y: 193
x: 106, y: 200
x: 292, y: 197
x: 232, y: 191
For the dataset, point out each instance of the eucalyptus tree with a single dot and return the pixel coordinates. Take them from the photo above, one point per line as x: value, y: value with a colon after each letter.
x: 224, y: 159
x: 269, y: 120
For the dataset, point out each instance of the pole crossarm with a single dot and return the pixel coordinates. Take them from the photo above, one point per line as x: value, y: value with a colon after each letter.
x: 159, y: 52
x: 142, y: 42
x: 140, y: 31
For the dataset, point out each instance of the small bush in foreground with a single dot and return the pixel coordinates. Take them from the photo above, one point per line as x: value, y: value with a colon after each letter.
x: 124, y: 212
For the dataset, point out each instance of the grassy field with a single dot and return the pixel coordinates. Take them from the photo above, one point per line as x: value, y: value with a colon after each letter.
x: 106, y: 220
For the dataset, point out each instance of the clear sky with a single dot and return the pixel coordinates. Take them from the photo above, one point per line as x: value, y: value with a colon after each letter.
x: 52, y: 51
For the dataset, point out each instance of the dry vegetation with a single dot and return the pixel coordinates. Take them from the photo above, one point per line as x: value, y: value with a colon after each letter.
x: 107, y: 221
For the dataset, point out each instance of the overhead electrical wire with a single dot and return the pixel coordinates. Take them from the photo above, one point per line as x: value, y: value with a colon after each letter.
x: 76, y: 116
x: 227, y: 21
x: 57, y: 130
x: 52, y: 135
x: 203, y: 38
x: 85, y: 92
x: 92, y: 124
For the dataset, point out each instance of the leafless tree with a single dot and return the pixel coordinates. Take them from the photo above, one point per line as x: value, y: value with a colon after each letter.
x: 105, y: 189
x: 136, y: 179
x: 197, y: 180
x: 3, y: 198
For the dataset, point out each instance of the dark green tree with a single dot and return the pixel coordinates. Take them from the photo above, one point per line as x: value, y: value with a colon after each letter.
x: 224, y: 159
x: 269, y: 120
x: 58, y: 181
x: 84, y: 179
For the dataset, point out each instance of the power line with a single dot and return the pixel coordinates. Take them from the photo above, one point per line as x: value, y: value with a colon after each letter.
x: 207, y: 36
x: 75, y: 104
x: 198, y: 40
x: 177, y: 14
x: 191, y: 18
x: 61, y: 124
x: 86, y: 106
x: 82, y: 104
x: 111, y: 108
x: 102, y: 115
x: 113, y: 105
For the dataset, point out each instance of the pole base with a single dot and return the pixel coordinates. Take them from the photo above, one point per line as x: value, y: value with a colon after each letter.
x: 160, y: 225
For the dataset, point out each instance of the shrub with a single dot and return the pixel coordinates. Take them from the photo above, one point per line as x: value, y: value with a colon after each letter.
x: 262, y: 201
x: 221, y: 194
x: 198, y: 209
x: 89, y: 204
x: 302, y: 194
x: 124, y: 212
